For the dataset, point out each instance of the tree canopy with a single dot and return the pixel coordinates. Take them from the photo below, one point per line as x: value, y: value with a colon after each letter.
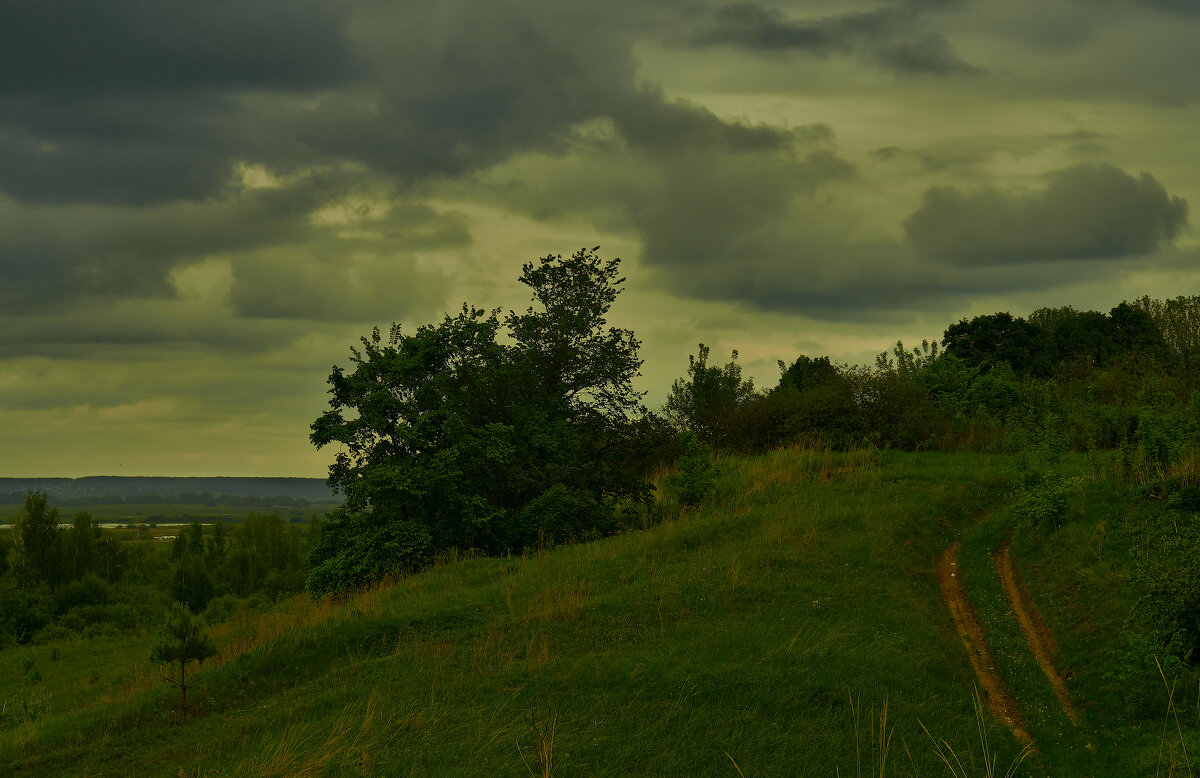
x: 452, y: 438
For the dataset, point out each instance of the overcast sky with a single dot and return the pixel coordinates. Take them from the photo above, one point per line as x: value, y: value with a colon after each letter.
x: 203, y: 206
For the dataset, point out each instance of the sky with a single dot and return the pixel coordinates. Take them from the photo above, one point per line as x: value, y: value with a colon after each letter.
x: 204, y: 206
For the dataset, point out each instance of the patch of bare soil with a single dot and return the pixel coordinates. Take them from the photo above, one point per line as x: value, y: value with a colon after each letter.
x: 966, y: 624
x: 1037, y: 634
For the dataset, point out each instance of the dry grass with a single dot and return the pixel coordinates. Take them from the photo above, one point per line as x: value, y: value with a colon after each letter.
x: 538, y: 755
x: 556, y: 603
x: 302, y: 750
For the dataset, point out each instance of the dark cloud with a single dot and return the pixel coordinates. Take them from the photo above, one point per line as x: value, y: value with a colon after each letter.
x: 719, y: 210
x: 53, y: 257
x: 62, y: 49
x: 1184, y: 7
x: 891, y: 36
x: 1085, y: 212
x: 976, y: 152
x: 134, y: 102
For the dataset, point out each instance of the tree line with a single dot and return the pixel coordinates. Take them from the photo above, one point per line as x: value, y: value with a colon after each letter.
x: 496, y: 434
x: 83, y: 580
x: 500, y: 434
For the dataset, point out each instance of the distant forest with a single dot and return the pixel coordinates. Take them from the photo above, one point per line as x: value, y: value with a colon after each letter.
x: 223, y: 490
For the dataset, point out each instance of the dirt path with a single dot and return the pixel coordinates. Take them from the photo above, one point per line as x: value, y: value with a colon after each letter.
x: 1037, y: 634
x: 966, y: 624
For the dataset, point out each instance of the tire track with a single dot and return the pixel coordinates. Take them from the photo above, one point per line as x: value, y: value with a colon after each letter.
x: 1033, y: 626
x: 966, y: 624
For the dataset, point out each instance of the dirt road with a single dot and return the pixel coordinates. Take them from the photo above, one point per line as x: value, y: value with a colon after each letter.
x: 966, y: 624
x: 1037, y: 634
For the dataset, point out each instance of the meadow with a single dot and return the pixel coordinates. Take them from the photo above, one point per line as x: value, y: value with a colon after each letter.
x: 790, y: 625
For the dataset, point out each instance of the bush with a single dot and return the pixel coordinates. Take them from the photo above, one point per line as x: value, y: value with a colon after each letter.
x: 558, y: 516
x: 695, y: 477
x: 52, y: 633
x: 358, y: 549
x: 24, y: 611
x: 220, y: 609
x: 88, y: 590
x: 1046, y: 504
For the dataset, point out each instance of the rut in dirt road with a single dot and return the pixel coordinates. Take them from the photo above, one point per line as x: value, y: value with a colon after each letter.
x: 966, y: 624
x: 1033, y: 626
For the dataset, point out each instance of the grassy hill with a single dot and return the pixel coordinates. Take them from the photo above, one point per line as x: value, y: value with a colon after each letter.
x: 792, y: 625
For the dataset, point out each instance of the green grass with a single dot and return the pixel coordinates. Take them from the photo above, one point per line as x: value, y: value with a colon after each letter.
x: 1078, y: 577
x: 750, y: 634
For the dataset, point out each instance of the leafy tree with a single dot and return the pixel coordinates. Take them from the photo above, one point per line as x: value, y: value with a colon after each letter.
x: 217, y: 545
x: 1178, y: 321
x: 985, y: 341
x: 1135, y: 330
x: 574, y: 357
x: 39, y: 541
x: 449, y: 434
x: 182, y: 642
x: 242, y: 571
x: 81, y: 544
x: 5, y: 548
x: 108, y: 560
x: 179, y: 547
x: 695, y: 478
x: 806, y: 373
x: 191, y: 584
x: 195, y: 538
x: 704, y: 403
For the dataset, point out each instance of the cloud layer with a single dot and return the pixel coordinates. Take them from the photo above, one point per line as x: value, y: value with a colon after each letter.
x: 200, y: 209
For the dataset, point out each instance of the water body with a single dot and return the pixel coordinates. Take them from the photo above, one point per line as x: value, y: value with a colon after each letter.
x: 123, y: 524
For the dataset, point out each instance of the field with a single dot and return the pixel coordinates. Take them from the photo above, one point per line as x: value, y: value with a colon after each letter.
x: 792, y: 625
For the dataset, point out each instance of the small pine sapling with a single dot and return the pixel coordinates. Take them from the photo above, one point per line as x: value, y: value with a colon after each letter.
x: 183, y: 641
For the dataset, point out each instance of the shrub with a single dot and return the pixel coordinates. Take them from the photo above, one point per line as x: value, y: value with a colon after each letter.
x: 52, y: 633
x: 695, y: 477
x: 357, y: 550
x: 220, y: 609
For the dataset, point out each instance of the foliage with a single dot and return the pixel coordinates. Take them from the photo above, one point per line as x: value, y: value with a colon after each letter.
x: 191, y: 583
x: 705, y: 402
x: 39, y: 544
x: 449, y: 435
x: 357, y: 549
x: 986, y: 341
x: 183, y: 641
x: 695, y: 476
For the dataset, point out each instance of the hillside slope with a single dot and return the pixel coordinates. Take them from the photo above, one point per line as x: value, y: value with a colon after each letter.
x: 767, y: 631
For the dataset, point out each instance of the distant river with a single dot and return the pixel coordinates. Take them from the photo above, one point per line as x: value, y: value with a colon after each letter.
x: 120, y: 524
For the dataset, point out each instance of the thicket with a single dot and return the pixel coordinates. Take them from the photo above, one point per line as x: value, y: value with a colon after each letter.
x: 82, y: 580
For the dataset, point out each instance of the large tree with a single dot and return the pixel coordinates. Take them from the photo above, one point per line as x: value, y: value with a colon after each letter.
x: 452, y: 438
x: 39, y: 541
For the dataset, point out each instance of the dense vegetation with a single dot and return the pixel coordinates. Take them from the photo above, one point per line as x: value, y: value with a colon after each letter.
x: 87, y: 581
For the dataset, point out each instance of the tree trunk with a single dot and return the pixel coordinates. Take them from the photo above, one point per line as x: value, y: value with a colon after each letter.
x: 183, y: 688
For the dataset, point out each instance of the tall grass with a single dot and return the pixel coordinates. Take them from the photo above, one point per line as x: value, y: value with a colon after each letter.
x: 720, y: 639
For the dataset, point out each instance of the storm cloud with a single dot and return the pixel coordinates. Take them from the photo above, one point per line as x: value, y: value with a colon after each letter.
x: 203, y: 207
x: 1084, y: 212
x: 892, y: 36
